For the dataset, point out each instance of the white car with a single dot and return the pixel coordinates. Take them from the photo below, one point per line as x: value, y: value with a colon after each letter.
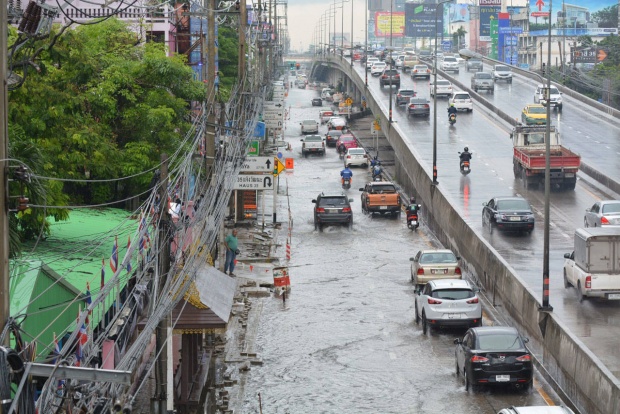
x: 538, y: 409
x: 370, y: 61
x: 309, y: 126
x: 502, y: 72
x: 555, y: 96
x: 377, y: 68
x: 462, y: 101
x: 450, y: 64
x: 448, y: 302
x: 444, y: 88
x: 398, y: 62
x: 356, y: 156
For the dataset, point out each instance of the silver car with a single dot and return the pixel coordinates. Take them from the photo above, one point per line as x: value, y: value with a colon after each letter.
x: 448, y: 302
x: 434, y: 264
x: 603, y: 213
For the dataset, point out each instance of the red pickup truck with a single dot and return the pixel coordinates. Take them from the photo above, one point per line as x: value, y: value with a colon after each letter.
x: 529, y: 148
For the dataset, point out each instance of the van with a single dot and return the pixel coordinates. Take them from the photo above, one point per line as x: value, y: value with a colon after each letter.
x: 411, y: 59
x: 326, y: 93
x: 324, y: 115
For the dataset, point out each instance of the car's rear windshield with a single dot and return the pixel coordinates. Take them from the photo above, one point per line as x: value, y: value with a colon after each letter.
x: 483, y: 75
x: 309, y: 122
x: 501, y: 68
x: 429, y: 258
x: 344, y: 138
x: 334, y: 132
x: 407, y: 92
x: 462, y: 96
x: 421, y: 67
x: 554, y: 91
x: 391, y: 72
x: 504, y: 342
x: 333, y: 201
x: 513, y: 205
x: 357, y: 151
x: 383, y: 189
x: 537, y: 110
x: 443, y: 83
x: 611, y: 208
x: 449, y: 59
x: 453, y: 294
x: 313, y: 138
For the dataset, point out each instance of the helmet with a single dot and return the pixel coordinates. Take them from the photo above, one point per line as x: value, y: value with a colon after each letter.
x: 451, y: 104
x: 412, y: 200
x: 466, y: 149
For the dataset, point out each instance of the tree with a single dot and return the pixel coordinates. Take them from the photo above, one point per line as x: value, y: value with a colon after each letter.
x: 459, y: 37
x: 101, y: 95
x: 607, y: 17
x: 228, y: 55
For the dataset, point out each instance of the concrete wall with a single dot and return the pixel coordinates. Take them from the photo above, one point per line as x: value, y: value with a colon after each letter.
x: 578, y: 372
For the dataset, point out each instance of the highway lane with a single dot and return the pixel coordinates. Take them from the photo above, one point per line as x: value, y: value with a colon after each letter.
x: 596, y: 323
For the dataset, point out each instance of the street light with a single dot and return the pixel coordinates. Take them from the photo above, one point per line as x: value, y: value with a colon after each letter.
x: 366, y: 43
x: 351, y: 33
x: 391, y: 60
x: 435, y: 182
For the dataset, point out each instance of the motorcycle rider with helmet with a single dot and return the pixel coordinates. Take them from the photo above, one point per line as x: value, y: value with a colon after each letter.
x: 342, y: 149
x: 465, y: 156
x: 452, y: 110
x: 412, y: 213
x: 346, y: 173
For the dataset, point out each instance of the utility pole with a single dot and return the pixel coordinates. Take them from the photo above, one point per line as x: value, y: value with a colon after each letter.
x: 5, y: 308
x: 243, y: 23
x: 161, y: 335
x: 210, y: 5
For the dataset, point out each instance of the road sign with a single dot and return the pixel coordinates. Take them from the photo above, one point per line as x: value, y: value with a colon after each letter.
x: 257, y: 164
x: 273, y: 123
x: 254, y: 182
x: 278, y: 167
x: 253, y: 148
x: 349, y: 101
x: 273, y: 104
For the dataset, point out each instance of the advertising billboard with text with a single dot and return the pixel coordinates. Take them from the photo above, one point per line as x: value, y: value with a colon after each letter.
x: 423, y: 20
x: 574, y: 18
x: 488, y: 11
x: 386, y: 23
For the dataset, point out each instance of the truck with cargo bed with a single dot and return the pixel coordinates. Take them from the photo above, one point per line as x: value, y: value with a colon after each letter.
x: 380, y: 197
x: 529, y: 148
x: 593, y: 267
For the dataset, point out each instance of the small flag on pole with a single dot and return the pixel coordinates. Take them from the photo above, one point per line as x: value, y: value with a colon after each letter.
x: 114, y: 257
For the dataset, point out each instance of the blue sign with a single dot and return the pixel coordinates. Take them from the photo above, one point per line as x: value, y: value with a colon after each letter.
x: 446, y: 45
x: 279, y: 155
x: 259, y: 130
x: 509, y: 30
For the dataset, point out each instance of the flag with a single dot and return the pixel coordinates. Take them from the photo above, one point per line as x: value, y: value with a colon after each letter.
x: 128, y: 249
x: 102, y: 273
x: 88, y: 300
x: 56, y: 348
x: 114, y: 257
x: 82, y: 338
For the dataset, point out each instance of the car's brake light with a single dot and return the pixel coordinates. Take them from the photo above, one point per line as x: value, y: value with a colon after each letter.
x: 588, y: 284
x: 426, y: 106
x: 604, y: 220
x: 524, y: 358
x: 472, y: 301
x: 432, y: 301
x: 320, y: 210
x: 478, y: 358
x: 457, y: 271
x: 421, y: 271
x: 348, y: 156
x: 346, y: 209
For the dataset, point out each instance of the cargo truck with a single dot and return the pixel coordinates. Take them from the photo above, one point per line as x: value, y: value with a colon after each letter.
x: 529, y: 149
x: 593, y: 267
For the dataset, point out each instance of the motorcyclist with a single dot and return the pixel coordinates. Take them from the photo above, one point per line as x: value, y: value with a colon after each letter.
x: 376, y: 170
x: 452, y: 110
x: 413, y: 207
x: 346, y: 173
x: 342, y: 149
x: 465, y: 155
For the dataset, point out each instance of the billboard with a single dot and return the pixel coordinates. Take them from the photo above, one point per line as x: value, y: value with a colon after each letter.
x: 386, y: 22
x: 421, y: 19
x: 574, y: 18
x: 488, y: 11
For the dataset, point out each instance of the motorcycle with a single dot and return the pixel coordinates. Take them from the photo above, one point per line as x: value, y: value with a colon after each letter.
x: 346, y: 183
x: 452, y: 119
x: 377, y: 173
x: 465, y: 167
x: 341, y: 153
x: 412, y: 219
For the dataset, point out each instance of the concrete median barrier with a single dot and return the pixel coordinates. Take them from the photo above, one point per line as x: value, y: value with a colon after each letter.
x: 583, y: 378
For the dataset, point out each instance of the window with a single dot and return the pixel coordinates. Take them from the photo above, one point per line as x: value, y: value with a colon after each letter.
x: 611, y: 208
x: 499, y: 341
x: 453, y: 294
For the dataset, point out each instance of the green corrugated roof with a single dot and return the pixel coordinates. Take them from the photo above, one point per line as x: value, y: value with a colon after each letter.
x: 73, y: 254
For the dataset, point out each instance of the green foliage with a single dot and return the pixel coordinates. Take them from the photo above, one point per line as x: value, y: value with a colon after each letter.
x: 104, y: 106
x: 607, y: 17
x: 228, y: 55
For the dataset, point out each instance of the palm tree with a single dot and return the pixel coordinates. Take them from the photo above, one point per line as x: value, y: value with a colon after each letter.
x: 459, y: 37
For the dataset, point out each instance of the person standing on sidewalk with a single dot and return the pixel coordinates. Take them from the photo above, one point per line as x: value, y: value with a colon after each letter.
x: 231, y: 244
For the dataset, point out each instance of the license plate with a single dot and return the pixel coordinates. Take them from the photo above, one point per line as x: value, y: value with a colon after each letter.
x: 502, y: 378
x: 331, y: 211
x: 613, y: 296
x: 383, y: 208
x: 515, y: 218
x: 454, y: 316
x: 436, y: 271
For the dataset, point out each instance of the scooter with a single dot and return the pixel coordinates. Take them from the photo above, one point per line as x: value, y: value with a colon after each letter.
x: 412, y: 220
x: 452, y: 119
x: 341, y: 153
x: 377, y: 173
x: 346, y: 183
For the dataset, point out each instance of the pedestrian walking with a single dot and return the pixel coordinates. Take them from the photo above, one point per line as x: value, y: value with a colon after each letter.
x: 232, y: 251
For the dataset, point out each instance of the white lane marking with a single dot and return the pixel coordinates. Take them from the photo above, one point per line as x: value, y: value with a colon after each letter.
x: 392, y: 356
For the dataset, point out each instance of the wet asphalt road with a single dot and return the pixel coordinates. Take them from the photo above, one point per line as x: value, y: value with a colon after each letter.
x: 595, y: 322
x: 345, y: 340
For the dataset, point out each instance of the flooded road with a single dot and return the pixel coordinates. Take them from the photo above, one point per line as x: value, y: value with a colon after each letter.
x: 345, y: 340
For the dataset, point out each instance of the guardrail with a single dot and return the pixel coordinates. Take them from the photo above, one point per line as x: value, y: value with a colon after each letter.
x: 578, y: 373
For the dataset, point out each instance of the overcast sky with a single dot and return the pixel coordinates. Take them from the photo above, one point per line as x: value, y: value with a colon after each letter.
x: 304, y: 16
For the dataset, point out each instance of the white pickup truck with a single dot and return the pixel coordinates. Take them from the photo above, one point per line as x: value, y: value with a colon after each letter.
x: 594, y: 266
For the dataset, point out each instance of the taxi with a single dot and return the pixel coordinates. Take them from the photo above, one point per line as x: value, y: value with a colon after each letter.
x: 534, y: 114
